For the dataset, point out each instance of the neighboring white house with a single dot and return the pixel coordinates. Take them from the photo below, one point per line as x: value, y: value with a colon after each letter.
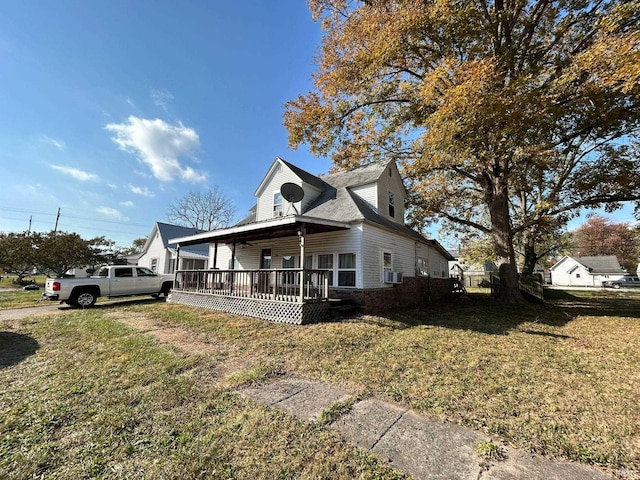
x: 349, y: 223
x: 586, y: 271
x: 160, y: 255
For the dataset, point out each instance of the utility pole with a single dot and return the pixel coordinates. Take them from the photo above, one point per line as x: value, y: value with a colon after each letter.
x: 29, y: 231
x: 55, y: 230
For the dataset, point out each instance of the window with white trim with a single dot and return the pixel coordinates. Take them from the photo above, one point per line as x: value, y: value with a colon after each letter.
x: 387, y: 263
x: 325, y: 262
x: 277, y: 204
x: 347, y: 270
x: 288, y: 261
x: 422, y: 266
x: 392, y: 205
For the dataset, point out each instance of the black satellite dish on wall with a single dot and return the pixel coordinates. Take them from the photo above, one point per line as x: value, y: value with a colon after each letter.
x: 292, y: 193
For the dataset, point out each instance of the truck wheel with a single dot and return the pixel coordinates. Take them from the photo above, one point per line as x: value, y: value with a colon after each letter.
x: 615, y: 285
x: 166, y: 289
x: 84, y: 300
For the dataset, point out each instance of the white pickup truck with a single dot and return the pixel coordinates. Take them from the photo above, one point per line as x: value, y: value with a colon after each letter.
x: 111, y: 281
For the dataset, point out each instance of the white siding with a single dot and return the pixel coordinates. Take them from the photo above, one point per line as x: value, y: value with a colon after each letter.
x: 568, y: 272
x: 278, y: 175
x: 403, y: 251
x: 391, y: 183
x: 369, y: 193
x: 248, y: 258
x: 156, y: 250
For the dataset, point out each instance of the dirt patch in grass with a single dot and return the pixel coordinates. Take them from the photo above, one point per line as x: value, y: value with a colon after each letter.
x: 228, y: 361
x: 99, y: 399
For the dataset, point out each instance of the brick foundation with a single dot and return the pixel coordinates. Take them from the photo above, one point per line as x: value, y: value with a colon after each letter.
x: 413, y: 292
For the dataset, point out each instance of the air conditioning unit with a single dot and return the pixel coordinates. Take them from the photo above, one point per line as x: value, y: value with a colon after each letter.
x: 392, y: 277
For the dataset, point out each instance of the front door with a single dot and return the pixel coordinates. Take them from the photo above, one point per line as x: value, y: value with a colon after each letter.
x: 265, y: 259
x: 264, y: 281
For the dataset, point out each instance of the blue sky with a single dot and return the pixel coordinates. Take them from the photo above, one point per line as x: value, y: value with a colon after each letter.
x: 112, y: 110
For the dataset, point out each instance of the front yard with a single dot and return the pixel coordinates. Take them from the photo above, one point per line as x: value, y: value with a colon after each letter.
x: 95, y: 397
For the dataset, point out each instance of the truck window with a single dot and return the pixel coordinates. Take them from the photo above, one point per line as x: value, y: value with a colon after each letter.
x: 123, y: 272
x: 104, y: 272
x: 144, y: 272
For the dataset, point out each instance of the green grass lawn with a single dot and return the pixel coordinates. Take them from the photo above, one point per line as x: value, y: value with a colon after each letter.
x: 95, y: 398
x: 20, y: 298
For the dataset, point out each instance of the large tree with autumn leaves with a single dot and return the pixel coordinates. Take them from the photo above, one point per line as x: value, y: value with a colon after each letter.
x: 506, y: 116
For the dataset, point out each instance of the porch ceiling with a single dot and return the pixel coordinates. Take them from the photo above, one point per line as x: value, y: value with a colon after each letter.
x: 269, y: 229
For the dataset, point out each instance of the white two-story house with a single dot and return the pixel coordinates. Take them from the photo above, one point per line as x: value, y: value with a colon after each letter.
x: 319, y: 238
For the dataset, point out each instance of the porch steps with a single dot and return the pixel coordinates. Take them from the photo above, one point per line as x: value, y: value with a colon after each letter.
x: 342, y: 307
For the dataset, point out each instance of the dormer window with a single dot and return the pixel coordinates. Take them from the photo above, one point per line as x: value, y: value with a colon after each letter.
x: 277, y: 204
x: 392, y: 205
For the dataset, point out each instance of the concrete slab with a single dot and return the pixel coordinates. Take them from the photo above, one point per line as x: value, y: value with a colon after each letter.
x: 309, y: 402
x: 272, y: 393
x: 525, y: 466
x: 367, y: 422
x: 431, y: 450
x: 423, y: 448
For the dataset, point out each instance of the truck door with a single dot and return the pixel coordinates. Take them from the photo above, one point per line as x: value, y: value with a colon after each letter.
x: 123, y: 282
x: 146, y: 281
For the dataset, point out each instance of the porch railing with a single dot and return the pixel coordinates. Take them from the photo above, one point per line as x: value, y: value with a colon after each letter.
x: 290, y: 284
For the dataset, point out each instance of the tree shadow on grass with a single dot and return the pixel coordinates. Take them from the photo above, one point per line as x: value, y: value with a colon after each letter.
x: 595, y: 303
x: 15, y: 348
x: 481, y: 313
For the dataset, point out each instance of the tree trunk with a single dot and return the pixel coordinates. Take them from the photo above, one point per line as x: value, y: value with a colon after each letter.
x: 530, y: 259
x: 503, y: 244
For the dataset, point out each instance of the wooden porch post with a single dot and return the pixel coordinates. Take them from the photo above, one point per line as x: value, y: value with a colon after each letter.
x: 175, y: 267
x: 301, y: 234
x: 215, y: 255
x: 233, y: 264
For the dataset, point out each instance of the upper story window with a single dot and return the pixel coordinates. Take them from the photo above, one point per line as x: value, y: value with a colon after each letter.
x: 277, y: 204
x: 392, y: 205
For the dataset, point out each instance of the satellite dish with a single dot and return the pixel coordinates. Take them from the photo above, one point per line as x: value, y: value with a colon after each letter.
x: 292, y: 193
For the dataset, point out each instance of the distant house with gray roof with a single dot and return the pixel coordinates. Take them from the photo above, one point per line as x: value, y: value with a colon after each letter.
x: 160, y: 254
x: 349, y: 225
x: 586, y: 271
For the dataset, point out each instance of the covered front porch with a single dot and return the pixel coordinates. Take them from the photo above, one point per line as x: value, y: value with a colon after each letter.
x: 289, y: 295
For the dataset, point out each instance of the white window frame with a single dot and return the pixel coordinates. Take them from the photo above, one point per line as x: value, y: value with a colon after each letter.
x: 331, y: 256
x: 353, y: 269
x: 384, y: 266
x: 277, y: 207
x: 392, y: 204
x: 422, y: 266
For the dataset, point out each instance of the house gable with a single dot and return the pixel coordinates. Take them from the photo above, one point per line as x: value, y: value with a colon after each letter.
x: 585, y: 271
x: 378, y: 185
x: 158, y: 252
x: 270, y: 203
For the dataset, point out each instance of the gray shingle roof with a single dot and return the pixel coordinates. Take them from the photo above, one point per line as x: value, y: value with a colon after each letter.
x: 337, y: 202
x: 168, y: 231
x: 601, y: 264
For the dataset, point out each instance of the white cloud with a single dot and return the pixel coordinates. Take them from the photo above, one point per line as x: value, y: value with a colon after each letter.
x: 144, y: 191
x: 75, y: 173
x: 161, y: 98
x: 160, y: 146
x: 111, y: 212
x: 127, y: 204
x: 59, y: 144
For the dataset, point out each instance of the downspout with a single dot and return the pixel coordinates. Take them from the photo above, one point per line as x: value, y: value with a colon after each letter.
x: 215, y: 255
